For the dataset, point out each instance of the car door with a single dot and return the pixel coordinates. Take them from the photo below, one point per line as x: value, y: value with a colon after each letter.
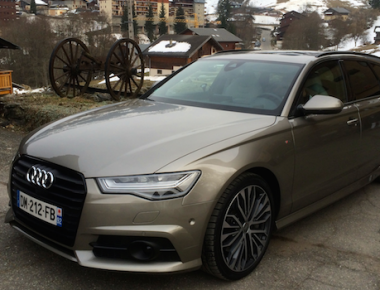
x: 365, y: 90
x: 326, y: 146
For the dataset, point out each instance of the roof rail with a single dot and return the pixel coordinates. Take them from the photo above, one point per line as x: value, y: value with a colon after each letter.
x: 299, y: 52
x: 289, y: 52
x: 235, y: 51
x: 345, y: 52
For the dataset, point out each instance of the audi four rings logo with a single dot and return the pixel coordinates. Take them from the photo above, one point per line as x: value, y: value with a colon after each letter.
x: 40, y: 177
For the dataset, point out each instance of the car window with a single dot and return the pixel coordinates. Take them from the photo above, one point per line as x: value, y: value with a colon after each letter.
x: 363, y: 82
x: 324, y: 79
x: 237, y: 85
x: 376, y: 69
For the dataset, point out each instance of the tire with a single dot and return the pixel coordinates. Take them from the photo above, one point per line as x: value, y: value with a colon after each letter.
x: 246, y: 230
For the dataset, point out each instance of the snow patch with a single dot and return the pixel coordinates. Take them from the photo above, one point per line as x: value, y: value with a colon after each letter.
x: 21, y: 92
x: 263, y: 19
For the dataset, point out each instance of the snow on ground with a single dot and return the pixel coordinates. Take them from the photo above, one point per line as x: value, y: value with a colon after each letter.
x: 147, y: 78
x: 21, y: 92
x: 154, y: 78
x: 349, y: 43
x: 297, y: 5
x: 263, y: 19
x: 263, y: 3
x: 301, y: 5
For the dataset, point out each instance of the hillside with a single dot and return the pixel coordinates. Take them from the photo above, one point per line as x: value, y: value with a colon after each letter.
x: 314, y: 5
x: 296, y: 5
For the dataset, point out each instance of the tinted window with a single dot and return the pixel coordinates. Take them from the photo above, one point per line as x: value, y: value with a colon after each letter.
x: 237, y: 85
x: 363, y: 82
x: 324, y: 79
x: 376, y: 68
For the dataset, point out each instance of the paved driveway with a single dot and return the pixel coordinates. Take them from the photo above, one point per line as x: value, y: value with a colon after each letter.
x: 336, y: 248
x: 266, y: 45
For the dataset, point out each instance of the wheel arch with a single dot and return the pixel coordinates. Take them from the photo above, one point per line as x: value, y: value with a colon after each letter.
x: 273, y: 183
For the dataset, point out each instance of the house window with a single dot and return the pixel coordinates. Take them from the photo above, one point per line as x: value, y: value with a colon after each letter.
x: 159, y: 71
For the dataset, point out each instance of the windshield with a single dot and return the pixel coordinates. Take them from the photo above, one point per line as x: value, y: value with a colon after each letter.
x: 237, y: 85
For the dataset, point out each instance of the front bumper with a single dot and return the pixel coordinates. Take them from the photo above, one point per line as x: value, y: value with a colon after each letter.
x: 127, y: 216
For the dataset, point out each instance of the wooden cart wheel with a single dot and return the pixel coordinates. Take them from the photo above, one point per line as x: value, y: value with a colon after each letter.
x: 124, y: 69
x: 69, y: 70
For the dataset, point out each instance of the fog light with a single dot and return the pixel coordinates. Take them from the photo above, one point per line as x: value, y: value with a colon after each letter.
x: 144, y: 251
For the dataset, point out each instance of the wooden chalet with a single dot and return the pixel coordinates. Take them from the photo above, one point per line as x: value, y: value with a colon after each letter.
x: 226, y: 39
x: 285, y: 22
x: 172, y: 51
x: 336, y: 13
x: 377, y: 37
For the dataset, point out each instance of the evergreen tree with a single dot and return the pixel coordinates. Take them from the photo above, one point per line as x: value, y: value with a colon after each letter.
x: 149, y: 26
x: 33, y: 7
x: 124, y: 20
x: 225, y: 12
x: 180, y: 24
x: 162, y: 28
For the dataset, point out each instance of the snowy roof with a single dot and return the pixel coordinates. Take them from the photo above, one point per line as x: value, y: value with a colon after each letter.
x: 219, y: 34
x: 170, y: 46
x: 377, y: 29
x: 38, y: 2
x: 175, y: 45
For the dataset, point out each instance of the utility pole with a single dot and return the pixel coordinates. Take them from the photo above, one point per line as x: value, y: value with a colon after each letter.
x: 130, y: 20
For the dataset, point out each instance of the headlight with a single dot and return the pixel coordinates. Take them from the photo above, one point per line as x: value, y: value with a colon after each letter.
x: 153, y: 187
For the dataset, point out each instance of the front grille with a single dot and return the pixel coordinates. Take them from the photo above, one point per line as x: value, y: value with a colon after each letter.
x: 67, y: 192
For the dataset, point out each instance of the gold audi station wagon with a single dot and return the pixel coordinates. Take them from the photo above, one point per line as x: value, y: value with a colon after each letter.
x: 199, y: 171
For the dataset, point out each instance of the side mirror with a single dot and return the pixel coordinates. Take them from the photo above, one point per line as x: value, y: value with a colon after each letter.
x: 323, y: 105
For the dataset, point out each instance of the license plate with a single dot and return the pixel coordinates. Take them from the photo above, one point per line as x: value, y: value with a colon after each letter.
x: 39, y: 209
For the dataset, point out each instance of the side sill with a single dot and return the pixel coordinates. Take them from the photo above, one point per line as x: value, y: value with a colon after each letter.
x: 316, y: 206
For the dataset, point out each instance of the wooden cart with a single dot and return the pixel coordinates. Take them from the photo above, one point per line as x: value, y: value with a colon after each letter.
x: 72, y: 66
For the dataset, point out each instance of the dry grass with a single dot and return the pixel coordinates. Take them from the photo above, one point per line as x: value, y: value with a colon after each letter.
x: 29, y: 111
x: 26, y: 112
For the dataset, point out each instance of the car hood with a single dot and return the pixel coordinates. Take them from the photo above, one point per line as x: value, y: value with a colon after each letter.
x: 135, y: 137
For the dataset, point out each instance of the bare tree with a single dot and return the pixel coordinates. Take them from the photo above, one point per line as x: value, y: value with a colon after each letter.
x: 35, y: 37
x: 338, y: 29
x: 38, y: 36
x: 244, y: 24
x: 360, y: 20
x: 306, y: 33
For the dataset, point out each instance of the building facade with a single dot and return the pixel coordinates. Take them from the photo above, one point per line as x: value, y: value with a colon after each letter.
x: 7, y: 10
x: 194, y: 11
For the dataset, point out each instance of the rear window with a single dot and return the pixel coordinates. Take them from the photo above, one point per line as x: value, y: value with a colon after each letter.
x: 363, y: 82
x: 236, y: 85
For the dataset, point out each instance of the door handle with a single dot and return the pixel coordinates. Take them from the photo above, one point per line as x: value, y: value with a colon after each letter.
x: 353, y: 122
